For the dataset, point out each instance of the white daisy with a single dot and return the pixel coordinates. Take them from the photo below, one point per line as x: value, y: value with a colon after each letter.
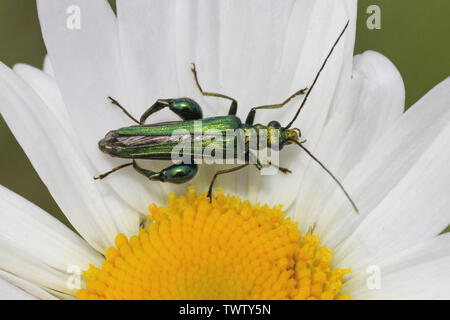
x: 394, y: 164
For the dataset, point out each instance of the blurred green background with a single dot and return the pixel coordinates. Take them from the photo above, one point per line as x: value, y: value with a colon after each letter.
x: 414, y: 35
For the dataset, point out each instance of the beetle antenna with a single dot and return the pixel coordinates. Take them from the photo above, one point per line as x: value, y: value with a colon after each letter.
x: 329, y: 172
x: 317, y: 75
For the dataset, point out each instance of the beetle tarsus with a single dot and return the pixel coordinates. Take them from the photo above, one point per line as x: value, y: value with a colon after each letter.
x: 233, y: 106
x: 209, y: 196
x: 104, y: 175
x: 282, y: 169
x: 116, y: 103
x: 251, y: 115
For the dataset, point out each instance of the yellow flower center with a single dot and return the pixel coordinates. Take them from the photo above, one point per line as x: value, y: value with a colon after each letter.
x: 227, y: 249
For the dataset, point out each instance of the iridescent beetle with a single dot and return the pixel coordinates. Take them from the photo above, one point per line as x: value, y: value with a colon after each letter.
x: 157, y: 141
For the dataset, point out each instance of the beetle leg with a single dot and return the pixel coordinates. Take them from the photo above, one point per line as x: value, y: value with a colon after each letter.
x: 222, y: 172
x: 114, y: 102
x: 178, y: 173
x: 259, y: 166
x: 185, y: 108
x: 251, y: 115
x: 158, y: 105
x: 282, y: 169
x: 104, y: 175
x: 233, y: 106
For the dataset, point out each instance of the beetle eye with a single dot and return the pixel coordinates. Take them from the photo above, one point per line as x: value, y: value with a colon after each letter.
x: 275, y: 124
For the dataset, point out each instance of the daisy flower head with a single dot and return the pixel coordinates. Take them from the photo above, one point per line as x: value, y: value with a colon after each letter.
x: 262, y: 236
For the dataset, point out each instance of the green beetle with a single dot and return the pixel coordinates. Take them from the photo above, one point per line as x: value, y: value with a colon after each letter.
x: 158, y: 141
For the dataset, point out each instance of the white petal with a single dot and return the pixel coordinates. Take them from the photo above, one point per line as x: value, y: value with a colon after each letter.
x: 426, y: 281
x: 37, y: 252
x: 42, y: 236
x: 61, y: 295
x: 48, y: 91
x: 394, y: 155
x: 231, y: 39
x: 418, y: 272
x: 35, y: 291
x: 18, y: 262
x: 414, y: 210
x: 46, y: 88
x: 348, y: 64
x: 150, y: 66
x: 251, y: 42
x: 247, y: 47
x: 87, y: 66
x: 325, y: 23
x: 47, y: 67
x: 11, y: 292
x: 381, y: 103
x: 66, y: 172
x: 372, y: 101
x: 147, y: 40
x: 246, y: 44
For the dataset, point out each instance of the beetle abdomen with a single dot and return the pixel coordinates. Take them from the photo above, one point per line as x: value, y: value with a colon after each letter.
x: 157, y: 141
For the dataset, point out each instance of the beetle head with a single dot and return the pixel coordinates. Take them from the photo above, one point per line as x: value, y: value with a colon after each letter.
x: 288, y: 136
x: 279, y: 136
